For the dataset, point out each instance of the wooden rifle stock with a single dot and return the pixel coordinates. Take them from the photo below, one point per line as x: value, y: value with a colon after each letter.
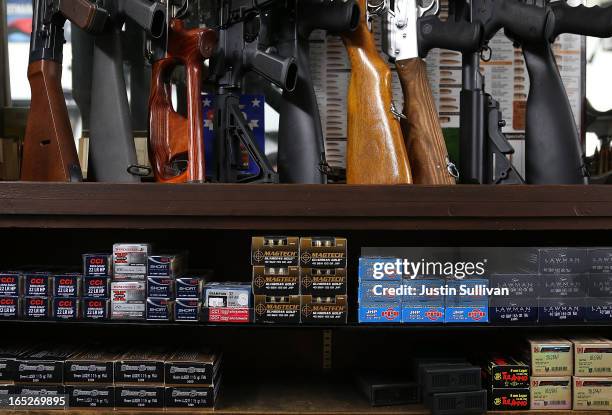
x: 171, y: 135
x: 376, y: 153
x: 421, y: 128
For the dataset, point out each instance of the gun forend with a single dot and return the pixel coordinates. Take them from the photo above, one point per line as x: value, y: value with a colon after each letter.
x: 331, y: 15
x: 460, y: 36
x: 85, y: 14
x: 150, y: 15
x: 279, y: 70
x: 526, y: 23
x: 581, y: 20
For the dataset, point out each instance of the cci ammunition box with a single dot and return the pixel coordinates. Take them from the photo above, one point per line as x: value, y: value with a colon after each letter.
x: 551, y: 392
x: 563, y: 261
x: 322, y: 252
x: 130, y: 261
x: 10, y: 284
x: 90, y: 366
x: 506, y: 372
x: 226, y: 315
x: 379, y: 269
x: 592, y: 357
x: 380, y: 313
x: 97, y: 265
x: 450, y: 378
x: 518, y: 285
x: 192, y: 367
x: 513, y: 310
x: 167, y: 265
x: 40, y: 390
x: 36, y: 285
x: 509, y: 399
x: 275, y: 251
x: 140, y: 366
x: 600, y: 260
x: 598, y: 309
x: 139, y: 396
x: 86, y: 396
x: 323, y: 282
x: 96, y: 287
x: 188, y: 287
x: 128, y: 300
x: 324, y: 310
x: 94, y: 308
x: 277, y: 309
x: 458, y: 403
x: 36, y: 308
x: 43, y: 365
x: 159, y: 309
x: 160, y: 287
x: 559, y: 310
x: 384, y: 389
x: 187, y: 309
x: 222, y: 294
x: 66, y: 285
x: 593, y: 394
x: 551, y: 357
x: 8, y: 361
x: 65, y: 308
x: 568, y: 285
x: 10, y: 308
x: 600, y: 285
x: 190, y: 397
x: 380, y: 292
x: 423, y: 313
x: 276, y: 281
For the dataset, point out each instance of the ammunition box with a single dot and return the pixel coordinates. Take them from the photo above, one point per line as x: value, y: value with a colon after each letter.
x: 160, y: 287
x: 96, y: 287
x: 10, y: 284
x: 159, y: 309
x: 190, y: 397
x: 593, y: 394
x: 323, y: 252
x: 227, y: 295
x: 568, y: 285
x: 469, y: 292
x: 6, y: 389
x: 380, y: 313
x: 563, y: 261
x: 467, y: 314
x: 66, y: 285
x: 167, y: 265
x: 276, y: 281
x: 324, y: 310
x: 10, y: 308
x: 513, y: 310
x: 551, y: 392
x: 423, y: 313
x: 551, y: 357
x: 128, y: 300
x: 42, y: 365
x: 380, y: 292
x: 89, y: 396
x: 450, y: 378
x: 323, y: 282
x: 367, y: 270
x: 36, y: 308
x: 277, y: 309
x: 560, y: 310
x: 275, y: 251
x: 458, y: 403
x: 382, y: 389
x: 130, y: 261
x: 192, y: 367
x: 432, y: 289
x: 592, y: 357
x: 420, y: 363
x: 187, y: 309
x: 90, y: 366
x: 507, y: 373
x: 188, y: 287
x: 598, y: 309
x: 600, y: 285
x: 509, y: 399
x: 36, y: 285
x: 600, y: 260
x: 40, y: 390
x: 519, y: 286
x: 226, y: 315
x: 94, y: 308
x: 8, y: 361
x: 139, y: 396
x: 140, y: 366
x: 65, y: 308
x: 97, y: 265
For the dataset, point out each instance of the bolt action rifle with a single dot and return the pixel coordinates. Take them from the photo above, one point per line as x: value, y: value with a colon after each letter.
x: 49, y: 152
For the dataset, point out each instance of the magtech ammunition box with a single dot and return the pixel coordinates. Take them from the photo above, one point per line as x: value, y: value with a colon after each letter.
x: 509, y: 399
x: 600, y: 260
x: 192, y: 367
x: 551, y: 392
x: 65, y: 308
x: 276, y: 281
x: 43, y: 365
x: 128, y: 300
x: 506, y: 372
x: 90, y: 366
x: 568, y: 285
x: 458, y: 403
x: 592, y: 357
x: 10, y: 308
x: 384, y: 389
x: 379, y: 269
x: 518, y: 285
x: 559, y: 310
x: 188, y: 287
x: 226, y: 294
x: 95, y: 308
x: 140, y: 366
x: 96, y: 287
x: 593, y: 394
x: 166, y: 265
x: 513, y: 310
x: 563, y: 261
x: 324, y: 310
x: 160, y: 287
x: 190, y: 397
x: 275, y: 251
x: 139, y: 396
x: 159, y: 309
x: 598, y: 309
x: 97, y: 265
x: 600, y: 285
x: 10, y: 284
x: 450, y: 378
x: 85, y: 396
x: 36, y: 308
x: 187, y: 309
x: 380, y: 313
x: 66, y: 285
x: 277, y: 309
x: 551, y: 357
x: 36, y: 285
x: 323, y: 252
x: 323, y: 282
x: 130, y: 261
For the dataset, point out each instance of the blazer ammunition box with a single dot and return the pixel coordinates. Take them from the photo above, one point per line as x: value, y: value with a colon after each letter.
x: 560, y: 310
x: 592, y: 393
x: 368, y: 269
x: 90, y: 366
x: 380, y: 292
x: 458, y: 403
x: 568, y: 285
x: 518, y: 285
x: 551, y: 392
x: 192, y: 367
x: 97, y: 265
x: 509, y: 399
x: 380, y: 313
x: 276, y: 281
x: 40, y: 390
x: 167, y: 265
x: 277, y: 309
x: 139, y: 396
x: 159, y: 309
x: 323, y: 252
x: 513, y: 310
x: 423, y: 313
x: 187, y: 309
x: 43, y: 365
x: 130, y: 261
x: 10, y: 308
x: 592, y: 357
x: 94, y: 308
x: 86, y: 396
x: 563, y: 261
x: 385, y: 389
x: 128, y: 300
x: 36, y: 308
x: 160, y: 287
x: 96, y: 287
x: 598, y: 309
x: 227, y: 295
x: 66, y: 285
x: 65, y: 308
x: 450, y: 378
x: 600, y: 285
x: 323, y: 282
x: 190, y: 397
x: 6, y: 389
x: 36, y: 285
x: 226, y: 315
x: 551, y: 357
x: 275, y: 251
x: 10, y: 284
x: 506, y: 372
x: 188, y: 287
x: 324, y: 310
x: 600, y: 260
x: 467, y: 314
x: 9, y: 355
x: 140, y: 366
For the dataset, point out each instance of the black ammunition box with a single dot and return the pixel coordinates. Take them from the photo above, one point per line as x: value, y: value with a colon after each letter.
x: 323, y: 252
x: 188, y: 287
x: 160, y: 287
x: 560, y: 310
x: 36, y: 308
x: 40, y: 390
x: 97, y: 265
x: 139, y: 396
x: 276, y: 281
x: 563, y: 260
x: 190, y: 397
x: 66, y: 285
x: 159, y: 309
x: 506, y: 372
x: 600, y: 260
x: 166, y: 265
x: 43, y: 365
x: 95, y: 308
x: 96, y: 287
x: 323, y: 282
x: 385, y: 389
x: 450, y: 378
x: 187, y: 309
x: 419, y: 363
x: 513, y: 310
x: 6, y: 389
x: 275, y: 251
x: 458, y: 403
x: 509, y: 399
x: 600, y: 285
x: 518, y: 285
x: 139, y: 366
x: 192, y: 367
x: 86, y: 396
x: 90, y: 366
x: 324, y: 310
x: 567, y: 285
x: 598, y: 309
x: 10, y: 284
x: 10, y: 308
x: 8, y: 361
x: 65, y: 308
x: 277, y: 309
x: 36, y: 285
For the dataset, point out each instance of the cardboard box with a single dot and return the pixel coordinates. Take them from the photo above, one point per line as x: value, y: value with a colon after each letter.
x: 600, y: 285
x: 551, y: 357
x: 323, y: 282
x: 227, y: 315
x: 97, y: 265
x: 509, y: 399
x: 468, y: 292
x: 187, y: 309
x: 380, y: 313
x: 551, y: 392
x: 10, y: 284
x: 275, y: 251
x: 66, y: 285
x: 36, y: 285
x: 190, y: 397
x: 160, y: 287
x: 519, y: 285
x: 478, y: 313
x: 128, y: 300
x: 188, y: 287
x: 563, y: 261
x: 9, y: 355
x: 385, y: 389
x: 96, y: 287
x: 140, y: 366
x: 277, y: 309
x: 10, y: 308
x: 91, y: 365
x: 441, y: 378
x: 458, y: 403
x: 227, y: 295
x: 36, y: 308
x: 513, y: 310
x: 368, y: 269
x: 87, y: 396
x: 192, y: 367
x: 560, y: 310
x: 593, y: 394
x: 592, y: 357
x: 380, y: 292
x: 276, y: 281
x: 568, y: 285
x: 159, y: 309
x: 166, y: 265
x: 598, y: 309
x: 424, y: 292
x: 323, y: 252
x: 43, y: 365
x: 130, y: 261
x: 40, y: 390
x: 600, y: 260
x: 324, y: 310
x: 139, y: 396
x: 65, y: 308
x: 423, y: 313
x: 506, y: 373
x: 95, y: 308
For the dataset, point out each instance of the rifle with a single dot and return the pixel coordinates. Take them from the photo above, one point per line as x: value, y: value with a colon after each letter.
x: 112, y: 153
x: 49, y: 152
x: 287, y: 27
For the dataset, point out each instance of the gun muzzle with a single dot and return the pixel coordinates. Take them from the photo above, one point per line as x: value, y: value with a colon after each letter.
x: 151, y: 16
x: 282, y: 72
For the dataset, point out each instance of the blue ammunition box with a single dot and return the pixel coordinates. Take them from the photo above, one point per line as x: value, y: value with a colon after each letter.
x: 598, y: 309
x: 418, y: 286
x: 561, y: 310
x: 96, y: 287
x: 10, y: 308
x: 169, y: 265
x: 422, y: 313
x: 519, y: 285
x: 600, y: 260
x: 380, y: 313
x: 66, y: 285
x: 160, y: 287
x: 366, y: 269
x: 188, y: 287
x: 10, y: 284
x: 470, y: 297
x: 467, y: 314
x: 567, y: 285
x: 97, y: 265
x: 368, y: 290
x: 159, y: 309
x: 65, y: 308
x: 563, y: 261
x: 186, y: 309
x: 513, y: 310
x: 36, y: 285
x: 94, y: 308
x: 36, y: 308
x: 600, y: 285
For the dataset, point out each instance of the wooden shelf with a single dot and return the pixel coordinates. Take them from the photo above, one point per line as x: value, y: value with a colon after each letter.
x: 338, y: 207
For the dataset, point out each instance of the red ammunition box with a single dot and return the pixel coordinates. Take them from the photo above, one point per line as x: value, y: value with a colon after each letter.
x: 324, y: 310
x: 506, y: 372
x: 323, y: 252
x: 509, y: 399
x: 275, y: 251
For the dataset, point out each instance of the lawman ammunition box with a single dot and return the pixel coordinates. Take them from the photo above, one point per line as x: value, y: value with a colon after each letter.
x: 563, y: 261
